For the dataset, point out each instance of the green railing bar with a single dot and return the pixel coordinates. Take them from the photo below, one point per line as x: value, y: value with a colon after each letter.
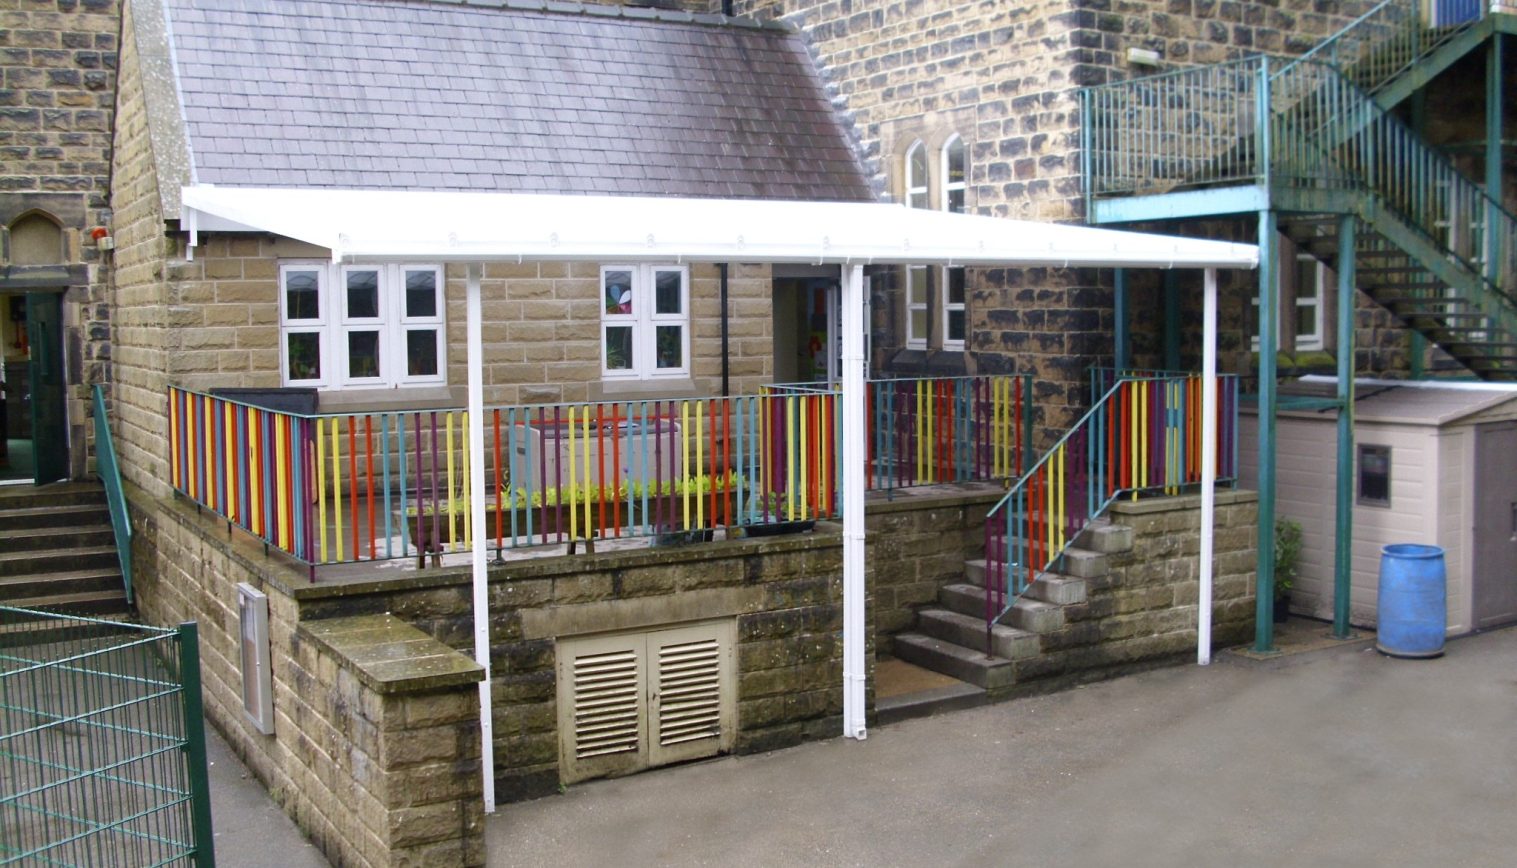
x: 194, y: 745
x: 83, y: 656
x: 115, y: 498
x: 56, y: 766
x: 117, y: 826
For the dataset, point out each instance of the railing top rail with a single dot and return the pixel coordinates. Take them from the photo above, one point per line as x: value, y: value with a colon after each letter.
x: 42, y: 615
x: 1326, y: 45
x: 1183, y: 72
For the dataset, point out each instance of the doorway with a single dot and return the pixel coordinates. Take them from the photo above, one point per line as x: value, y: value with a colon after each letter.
x: 33, y: 431
x: 807, y: 342
x: 1495, y: 561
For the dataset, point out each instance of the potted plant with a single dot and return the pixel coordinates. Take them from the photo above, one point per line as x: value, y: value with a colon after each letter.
x: 772, y: 516
x: 711, y: 500
x: 1287, y: 559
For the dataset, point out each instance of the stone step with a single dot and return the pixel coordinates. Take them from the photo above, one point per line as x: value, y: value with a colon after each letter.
x: 1034, y: 616
x: 43, y: 561
x: 54, y: 516
x: 953, y: 697
x: 969, y: 631
x: 1105, y: 538
x: 954, y: 660
x: 54, y: 494
x: 83, y: 603
x: 35, y: 538
x: 1049, y: 587
x: 71, y: 582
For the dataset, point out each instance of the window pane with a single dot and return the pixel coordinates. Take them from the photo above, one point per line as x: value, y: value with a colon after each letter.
x: 956, y: 200
x: 421, y: 293
x: 919, y: 325
x: 1306, y: 278
x: 618, y: 348
x: 618, y: 292
x: 363, y: 294
x: 918, y: 199
x: 363, y: 354
x: 421, y: 352
x: 667, y: 294
x: 955, y: 326
x: 916, y: 177
x: 1375, y: 475
x: 916, y: 284
x: 304, y: 355
x: 955, y: 286
x: 1306, y: 321
x: 956, y: 161
x: 302, y: 294
x: 669, y: 345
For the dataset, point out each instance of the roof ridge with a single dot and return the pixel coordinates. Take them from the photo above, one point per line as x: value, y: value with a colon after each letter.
x: 639, y: 13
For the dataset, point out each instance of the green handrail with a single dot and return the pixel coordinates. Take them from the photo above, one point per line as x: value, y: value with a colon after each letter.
x: 110, y: 474
x: 1389, y: 40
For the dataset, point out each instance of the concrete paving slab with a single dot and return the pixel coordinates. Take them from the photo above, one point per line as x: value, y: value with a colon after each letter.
x: 1345, y: 759
x: 250, y: 830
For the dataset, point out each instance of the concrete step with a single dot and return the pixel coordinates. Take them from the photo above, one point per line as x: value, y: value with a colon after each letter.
x: 893, y: 709
x: 1034, y: 616
x: 51, y: 495
x: 35, y: 538
x: 954, y: 660
x: 1105, y: 538
x: 84, y: 603
x: 1049, y: 587
x: 54, y: 516
x: 70, y: 582
x: 56, y: 560
x: 969, y: 631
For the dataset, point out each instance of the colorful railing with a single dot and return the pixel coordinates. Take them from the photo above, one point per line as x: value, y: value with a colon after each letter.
x: 335, y: 488
x: 1143, y: 435
x: 931, y: 430
x: 115, y: 498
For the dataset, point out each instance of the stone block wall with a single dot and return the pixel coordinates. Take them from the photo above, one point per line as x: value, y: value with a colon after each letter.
x: 376, y: 769
x: 57, y: 93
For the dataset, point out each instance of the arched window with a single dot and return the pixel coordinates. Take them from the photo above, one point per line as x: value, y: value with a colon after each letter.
x: 36, y: 240
x: 955, y: 172
x: 916, y: 176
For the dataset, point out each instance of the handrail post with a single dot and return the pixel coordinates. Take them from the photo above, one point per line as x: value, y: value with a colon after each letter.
x: 194, y: 744
x: 1262, y: 121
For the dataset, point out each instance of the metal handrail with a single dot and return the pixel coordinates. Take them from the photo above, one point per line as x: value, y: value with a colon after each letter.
x: 1390, y: 38
x: 110, y: 474
x: 1143, y: 435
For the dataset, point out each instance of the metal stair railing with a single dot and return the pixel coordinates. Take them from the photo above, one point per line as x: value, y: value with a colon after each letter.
x: 1327, y: 134
x: 1391, y: 38
x: 1142, y: 435
x: 115, y: 498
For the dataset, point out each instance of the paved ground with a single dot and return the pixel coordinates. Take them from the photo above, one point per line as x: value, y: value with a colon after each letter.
x: 250, y: 830
x: 1342, y: 759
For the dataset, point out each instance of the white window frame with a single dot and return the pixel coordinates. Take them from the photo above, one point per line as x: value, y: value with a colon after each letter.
x: 953, y: 344
x: 951, y: 186
x: 915, y: 341
x: 645, y: 321
x: 1310, y: 297
x: 334, y: 326
x: 917, y: 187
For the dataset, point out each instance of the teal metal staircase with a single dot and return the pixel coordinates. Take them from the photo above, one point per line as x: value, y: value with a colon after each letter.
x: 1305, y: 138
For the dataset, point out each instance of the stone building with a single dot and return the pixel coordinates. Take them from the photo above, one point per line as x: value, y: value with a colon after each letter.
x: 57, y: 101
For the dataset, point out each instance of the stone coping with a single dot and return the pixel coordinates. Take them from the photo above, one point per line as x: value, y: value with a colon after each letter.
x: 1150, y: 505
x: 946, y: 495
x: 390, y: 656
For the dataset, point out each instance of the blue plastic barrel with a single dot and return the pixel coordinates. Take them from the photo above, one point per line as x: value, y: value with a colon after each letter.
x: 1413, y: 608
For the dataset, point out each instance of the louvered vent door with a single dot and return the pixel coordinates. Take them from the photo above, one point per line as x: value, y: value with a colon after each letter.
x: 602, y: 715
x: 690, y: 692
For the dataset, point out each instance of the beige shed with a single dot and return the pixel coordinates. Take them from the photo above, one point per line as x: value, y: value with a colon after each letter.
x: 1435, y: 463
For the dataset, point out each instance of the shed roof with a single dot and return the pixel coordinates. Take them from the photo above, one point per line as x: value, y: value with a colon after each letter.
x: 561, y: 98
x: 1408, y: 402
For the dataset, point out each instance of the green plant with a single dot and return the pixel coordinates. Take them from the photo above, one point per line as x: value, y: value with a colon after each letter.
x: 1287, y: 555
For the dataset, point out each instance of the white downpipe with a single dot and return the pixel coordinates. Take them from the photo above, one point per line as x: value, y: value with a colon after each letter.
x: 481, y: 539
x: 853, y: 502
x: 1208, y: 462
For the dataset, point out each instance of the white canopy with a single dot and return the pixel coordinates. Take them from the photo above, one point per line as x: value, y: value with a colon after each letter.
x: 474, y: 228
x: 376, y: 225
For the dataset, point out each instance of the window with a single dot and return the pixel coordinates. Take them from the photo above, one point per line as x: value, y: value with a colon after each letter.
x: 360, y: 326
x: 953, y: 168
x: 1303, y: 296
x: 955, y: 162
x: 645, y: 319
x: 1374, y: 475
x: 953, y: 308
x: 916, y: 176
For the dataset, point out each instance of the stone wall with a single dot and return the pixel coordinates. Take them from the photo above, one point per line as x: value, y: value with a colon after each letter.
x: 378, y: 766
x: 57, y: 91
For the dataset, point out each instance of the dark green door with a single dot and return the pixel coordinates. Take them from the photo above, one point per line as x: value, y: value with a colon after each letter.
x: 44, y: 332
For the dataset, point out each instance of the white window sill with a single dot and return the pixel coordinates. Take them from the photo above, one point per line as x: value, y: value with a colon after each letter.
x: 377, y: 400
x: 642, y: 390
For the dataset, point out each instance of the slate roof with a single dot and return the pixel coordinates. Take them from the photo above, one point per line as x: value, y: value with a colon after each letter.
x: 407, y: 94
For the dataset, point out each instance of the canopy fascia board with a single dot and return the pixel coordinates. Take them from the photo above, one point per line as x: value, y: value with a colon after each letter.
x: 390, y: 226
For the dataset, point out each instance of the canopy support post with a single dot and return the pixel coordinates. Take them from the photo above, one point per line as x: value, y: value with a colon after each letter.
x: 1269, y: 329
x: 1208, y: 463
x: 1343, y: 539
x: 481, y: 539
x: 853, y: 451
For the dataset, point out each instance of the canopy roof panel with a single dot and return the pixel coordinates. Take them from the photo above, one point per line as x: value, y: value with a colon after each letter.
x: 375, y: 226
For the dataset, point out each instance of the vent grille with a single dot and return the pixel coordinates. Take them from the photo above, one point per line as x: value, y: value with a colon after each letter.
x: 606, y: 704
x: 689, y: 692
